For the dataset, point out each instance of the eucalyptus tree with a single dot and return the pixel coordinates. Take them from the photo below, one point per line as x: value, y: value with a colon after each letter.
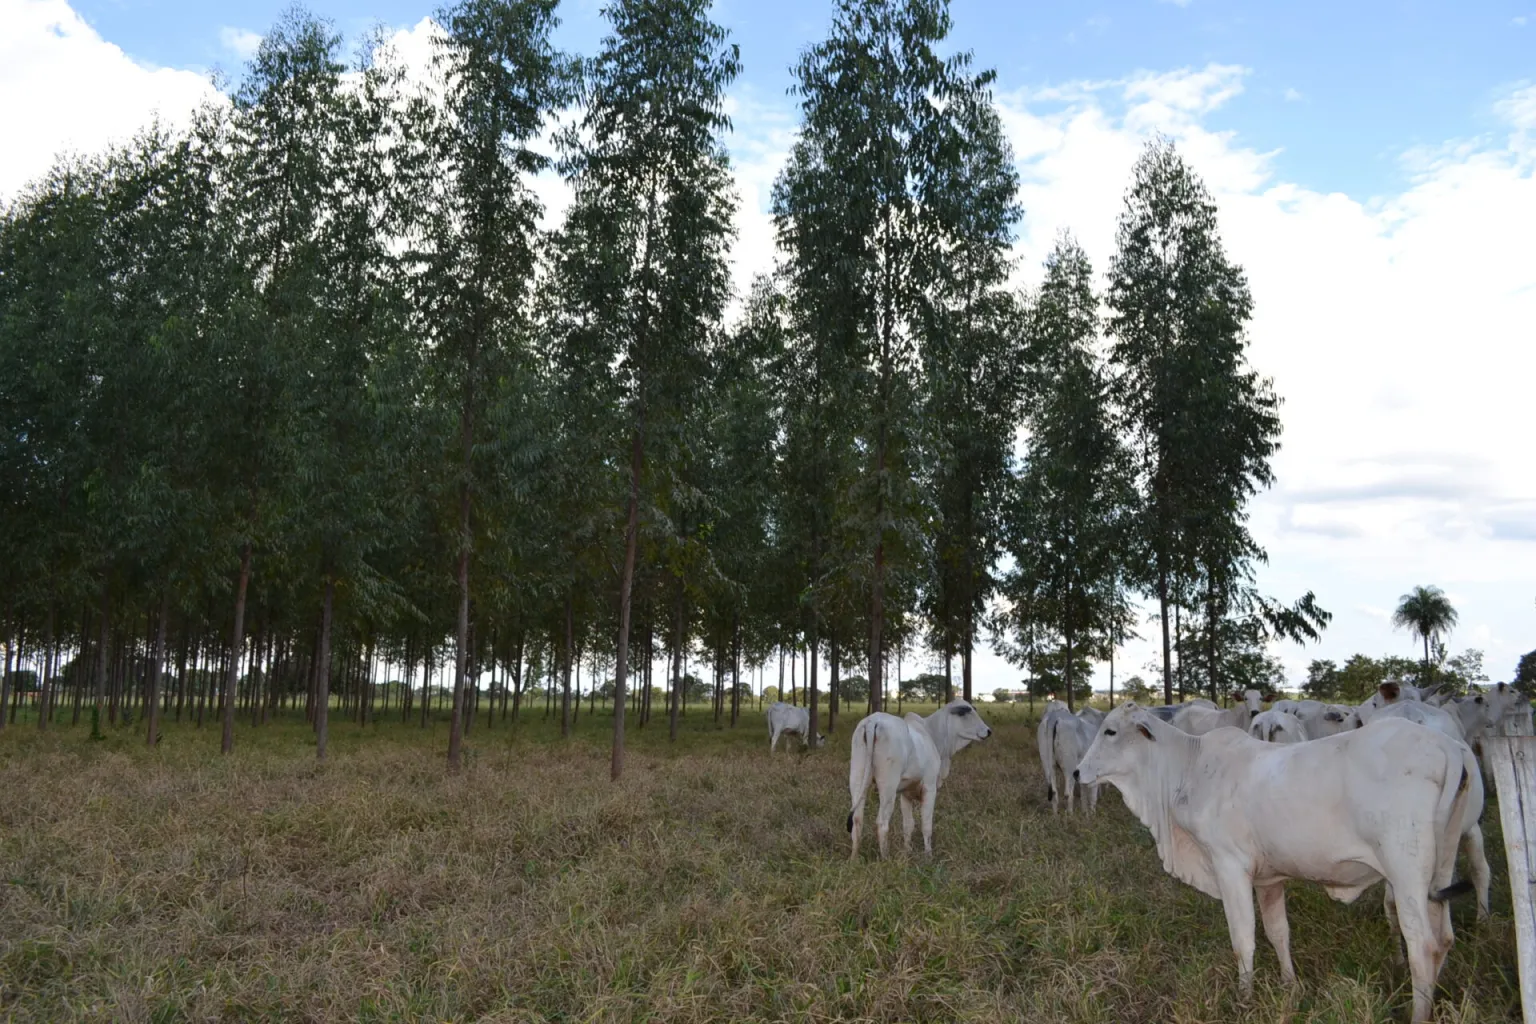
x: 502, y: 79
x: 642, y: 257
x: 861, y: 215
x: 974, y: 356
x: 1203, y: 425
x: 55, y: 320
x: 359, y: 358
x: 1075, y: 485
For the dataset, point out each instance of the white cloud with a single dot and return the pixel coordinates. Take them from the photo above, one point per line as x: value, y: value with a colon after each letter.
x: 242, y: 42
x: 1291, y: 95
x: 1397, y: 329
x: 62, y: 87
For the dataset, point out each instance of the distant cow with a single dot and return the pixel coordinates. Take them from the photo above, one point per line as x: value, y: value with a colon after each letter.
x: 1093, y: 716
x: 1233, y: 817
x: 1277, y: 727
x: 1483, y: 714
x: 786, y: 719
x: 1198, y: 720
x: 1063, y: 739
x: 907, y: 757
x: 1442, y: 720
x: 1319, y: 720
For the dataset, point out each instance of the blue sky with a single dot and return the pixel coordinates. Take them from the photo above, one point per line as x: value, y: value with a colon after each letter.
x: 1374, y: 167
x: 1340, y: 88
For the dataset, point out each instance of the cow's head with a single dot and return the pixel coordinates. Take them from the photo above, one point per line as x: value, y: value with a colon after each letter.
x: 965, y: 724
x: 1123, y: 738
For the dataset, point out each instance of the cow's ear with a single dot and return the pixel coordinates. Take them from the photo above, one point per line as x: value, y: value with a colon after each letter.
x: 963, y: 709
x: 1145, y: 732
x: 1334, y: 716
x: 1478, y: 699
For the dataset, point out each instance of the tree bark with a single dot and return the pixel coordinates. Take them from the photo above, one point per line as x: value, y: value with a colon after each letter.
x: 833, y: 683
x: 678, y: 689
x: 152, y: 734
x: 626, y: 597
x: 565, y: 695
x: 227, y: 742
x: 103, y: 622
x: 813, y: 701
x: 1162, y: 604
x: 323, y: 671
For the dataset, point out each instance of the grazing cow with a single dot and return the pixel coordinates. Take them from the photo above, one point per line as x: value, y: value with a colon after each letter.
x: 786, y: 719
x: 1233, y: 817
x: 1277, y: 727
x: 1063, y: 739
x: 909, y: 757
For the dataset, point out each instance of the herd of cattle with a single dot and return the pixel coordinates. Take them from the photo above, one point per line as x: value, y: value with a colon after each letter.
x: 1240, y: 800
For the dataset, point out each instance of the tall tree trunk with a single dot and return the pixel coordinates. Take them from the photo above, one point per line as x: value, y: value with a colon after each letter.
x: 45, y: 693
x: 152, y: 735
x: 1162, y: 605
x: 227, y: 742
x: 1210, y: 634
x: 678, y: 688
x: 966, y: 652
x: 565, y: 690
x: 735, y: 669
x: 5, y: 680
x: 1178, y: 650
x: 104, y: 620
x: 1067, y: 635
x: 833, y: 682
x: 949, y: 671
x: 626, y: 597
x: 323, y: 671
x: 813, y: 693
x: 461, y: 654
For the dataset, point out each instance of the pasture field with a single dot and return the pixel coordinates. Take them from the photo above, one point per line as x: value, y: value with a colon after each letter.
x: 711, y: 884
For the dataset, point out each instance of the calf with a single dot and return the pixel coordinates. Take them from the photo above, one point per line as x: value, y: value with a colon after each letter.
x: 1234, y: 817
x: 786, y: 719
x: 1063, y: 739
x: 908, y: 757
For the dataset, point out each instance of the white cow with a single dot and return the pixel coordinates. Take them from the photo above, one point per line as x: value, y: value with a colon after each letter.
x: 1319, y: 720
x: 786, y: 719
x: 1277, y: 727
x: 1198, y: 720
x: 1482, y: 714
x: 1063, y: 739
x: 909, y: 757
x: 1234, y: 817
x: 1093, y: 716
x: 1439, y: 719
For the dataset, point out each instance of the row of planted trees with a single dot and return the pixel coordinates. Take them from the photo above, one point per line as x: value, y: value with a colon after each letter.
x: 302, y: 399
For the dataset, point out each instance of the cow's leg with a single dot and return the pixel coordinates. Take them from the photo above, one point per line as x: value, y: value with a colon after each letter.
x: 1389, y: 907
x: 1071, y: 791
x: 773, y: 739
x: 1237, y: 901
x: 1277, y: 928
x: 1472, y: 846
x: 883, y: 818
x: 1093, y: 798
x: 1424, y: 949
x: 908, y: 821
x: 930, y: 796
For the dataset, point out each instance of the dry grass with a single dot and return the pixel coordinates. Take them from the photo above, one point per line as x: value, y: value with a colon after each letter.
x: 712, y: 884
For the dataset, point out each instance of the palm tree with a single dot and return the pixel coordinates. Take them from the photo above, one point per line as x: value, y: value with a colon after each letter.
x: 1427, y: 612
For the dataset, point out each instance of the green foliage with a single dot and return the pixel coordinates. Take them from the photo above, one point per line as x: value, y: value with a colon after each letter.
x: 927, y: 687
x: 1525, y: 673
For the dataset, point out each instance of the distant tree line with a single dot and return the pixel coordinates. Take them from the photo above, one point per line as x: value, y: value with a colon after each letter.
x: 304, y: 413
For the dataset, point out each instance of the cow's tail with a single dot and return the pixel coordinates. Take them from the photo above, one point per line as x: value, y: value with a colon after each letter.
x: 1452, y: 805
x: 1047, y: 742
x: 861, y: 767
